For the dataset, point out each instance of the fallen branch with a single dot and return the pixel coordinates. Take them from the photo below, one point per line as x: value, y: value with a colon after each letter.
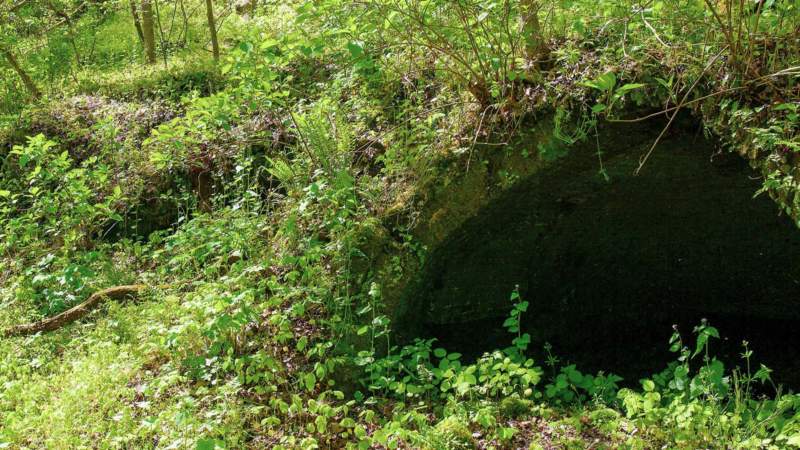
x: 76, y: 312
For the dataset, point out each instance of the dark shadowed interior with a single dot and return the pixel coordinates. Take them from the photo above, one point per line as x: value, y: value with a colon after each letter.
x: 609, y: 266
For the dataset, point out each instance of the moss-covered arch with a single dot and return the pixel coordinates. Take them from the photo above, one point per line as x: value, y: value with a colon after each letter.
x: 683, y: 240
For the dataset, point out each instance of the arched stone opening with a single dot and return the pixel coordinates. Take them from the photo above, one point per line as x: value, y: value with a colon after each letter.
x: 609, y: 266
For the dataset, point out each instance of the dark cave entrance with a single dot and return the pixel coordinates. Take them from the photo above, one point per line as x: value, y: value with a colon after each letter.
x: 609, y: 267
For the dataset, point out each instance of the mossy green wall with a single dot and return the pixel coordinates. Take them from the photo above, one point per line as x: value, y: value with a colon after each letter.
x: 567, y: 235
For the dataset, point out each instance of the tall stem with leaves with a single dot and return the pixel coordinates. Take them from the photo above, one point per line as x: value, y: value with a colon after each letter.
x: 514, y: 325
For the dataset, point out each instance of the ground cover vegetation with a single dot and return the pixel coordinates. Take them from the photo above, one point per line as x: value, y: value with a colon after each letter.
x: 225, y: 167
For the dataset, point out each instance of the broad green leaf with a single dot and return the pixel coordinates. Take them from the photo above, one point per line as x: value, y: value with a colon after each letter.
x: 629, y: 87
x: 310, y: 381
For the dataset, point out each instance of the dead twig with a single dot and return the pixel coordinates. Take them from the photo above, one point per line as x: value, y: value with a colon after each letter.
x: 643, y: 159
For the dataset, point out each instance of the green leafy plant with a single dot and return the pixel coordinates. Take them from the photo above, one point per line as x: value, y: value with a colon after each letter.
x: 513, y: 324
x: 609, y: 92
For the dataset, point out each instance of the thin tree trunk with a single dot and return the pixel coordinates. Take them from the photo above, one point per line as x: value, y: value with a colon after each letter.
x: 78, y: 59
x: 204, y: 188
x: 212, y: 28
x: 161, y: 34
x: 185, y: 30
x: 149, y: 32
x: 26, y: 79
x: 531, y: 30
x: 67, y: 18
x: 137, y: 22
x: 172, y: 21
x: 73, y: 42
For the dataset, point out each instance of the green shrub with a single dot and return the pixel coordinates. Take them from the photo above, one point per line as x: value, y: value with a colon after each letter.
x: 144, y: 83
x: 514, y: 407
